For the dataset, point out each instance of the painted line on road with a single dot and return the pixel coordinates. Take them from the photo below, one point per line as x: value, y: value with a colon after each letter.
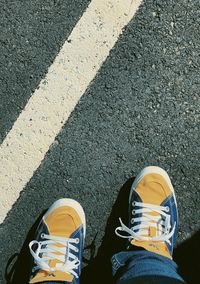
x: 52, y: 103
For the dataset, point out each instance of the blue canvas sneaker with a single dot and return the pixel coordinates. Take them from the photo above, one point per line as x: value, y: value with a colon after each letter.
x: 153, y: 216
x: 58, y: 245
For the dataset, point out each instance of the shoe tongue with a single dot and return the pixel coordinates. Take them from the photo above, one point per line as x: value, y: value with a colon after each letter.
x: 151, y: 231
x: 153, y: 246
x: 43, y: 276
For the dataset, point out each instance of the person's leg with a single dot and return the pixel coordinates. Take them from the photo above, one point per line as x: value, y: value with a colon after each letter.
x: 152, y: 229
x: 144, y: 267
x: 52, y: 282
x: 58, y: 246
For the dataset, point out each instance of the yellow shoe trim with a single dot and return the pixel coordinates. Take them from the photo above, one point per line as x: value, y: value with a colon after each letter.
x: 153, y: 189
x: 156, y: 247
x: 43, y: 276
x: 63, y: 221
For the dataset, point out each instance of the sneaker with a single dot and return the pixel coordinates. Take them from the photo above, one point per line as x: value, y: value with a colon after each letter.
x: 153, y: 216
x: 58, y: 245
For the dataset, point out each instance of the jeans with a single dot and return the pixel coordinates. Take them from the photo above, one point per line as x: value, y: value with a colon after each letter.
x: 142, y: 267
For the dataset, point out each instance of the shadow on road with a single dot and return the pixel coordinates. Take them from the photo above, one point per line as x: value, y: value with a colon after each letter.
x: 98, y: 269
x: 186, y: 255
x: 18, y: 266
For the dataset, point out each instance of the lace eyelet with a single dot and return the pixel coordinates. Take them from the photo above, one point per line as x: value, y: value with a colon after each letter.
x: 42, y: 236
x: 133, y: 203
x: 167, y: 208
x: 132, y: 221
x: 77, y: 250
x: 77, y: 241
x: 133, y: 212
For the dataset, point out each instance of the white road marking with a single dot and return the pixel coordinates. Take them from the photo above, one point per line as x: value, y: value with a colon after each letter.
x: 51, y: 104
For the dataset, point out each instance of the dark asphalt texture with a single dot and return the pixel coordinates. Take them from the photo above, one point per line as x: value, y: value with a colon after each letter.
x: 142, y: 109
x: 31, y: 35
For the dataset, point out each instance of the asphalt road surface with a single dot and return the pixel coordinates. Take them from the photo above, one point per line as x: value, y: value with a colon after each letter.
x: 142, y: 108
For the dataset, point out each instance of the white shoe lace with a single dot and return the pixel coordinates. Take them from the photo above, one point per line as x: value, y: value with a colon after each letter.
x: 141, y: 231
x: 52, y: 252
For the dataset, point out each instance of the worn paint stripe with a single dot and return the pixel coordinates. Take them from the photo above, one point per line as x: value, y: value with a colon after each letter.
x: 51, y: 104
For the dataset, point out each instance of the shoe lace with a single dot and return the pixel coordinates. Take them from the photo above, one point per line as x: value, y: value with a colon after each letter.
x: 140, y: 231
x: 50, y: 251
